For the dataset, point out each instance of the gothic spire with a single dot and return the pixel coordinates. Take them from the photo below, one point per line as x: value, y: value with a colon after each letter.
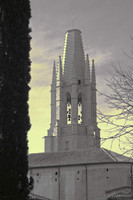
x: 73, y: 57
x: 93, y: 80
x: 53, y: 85
x: 87, y: 70
x: 60, y: 69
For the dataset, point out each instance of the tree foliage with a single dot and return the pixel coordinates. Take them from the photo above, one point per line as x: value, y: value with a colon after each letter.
x: 120, y: 102
x: 14, y: 89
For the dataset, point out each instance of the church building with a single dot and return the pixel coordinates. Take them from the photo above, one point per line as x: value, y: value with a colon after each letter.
x: 74, y: 166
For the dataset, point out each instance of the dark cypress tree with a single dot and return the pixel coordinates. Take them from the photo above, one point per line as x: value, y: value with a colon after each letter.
x: 14, y: 89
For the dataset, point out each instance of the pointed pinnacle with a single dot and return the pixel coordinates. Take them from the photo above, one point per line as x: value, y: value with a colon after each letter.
x: 53, y: 85
x: 93, y: 72
x: 87, y: 70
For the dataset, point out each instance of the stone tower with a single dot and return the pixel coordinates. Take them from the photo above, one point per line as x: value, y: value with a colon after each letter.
x: 73, y: 100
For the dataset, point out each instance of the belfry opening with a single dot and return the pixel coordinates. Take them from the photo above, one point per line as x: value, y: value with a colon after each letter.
x: 68, y: 108
x: 79, y: 108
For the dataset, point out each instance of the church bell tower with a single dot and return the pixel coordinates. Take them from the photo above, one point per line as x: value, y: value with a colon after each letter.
x: 73, y: 100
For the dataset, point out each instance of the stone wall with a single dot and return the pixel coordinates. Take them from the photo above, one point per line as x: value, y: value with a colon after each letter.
x: 81, y: 182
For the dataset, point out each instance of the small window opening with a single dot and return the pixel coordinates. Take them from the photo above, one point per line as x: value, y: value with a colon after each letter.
x: 56, y: 173
x: 78, y: 172
x: 55, y: 179
x: 107, y: 177
x: 79, y: 109
x: 79, y: 82
x: 37, y: 174
x: 94, y: 134
x: 66, y: 145
x: 68, y: 109
x: 107, y: 169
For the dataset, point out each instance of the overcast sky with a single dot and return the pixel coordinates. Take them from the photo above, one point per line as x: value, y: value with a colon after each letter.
x: 106, y: 27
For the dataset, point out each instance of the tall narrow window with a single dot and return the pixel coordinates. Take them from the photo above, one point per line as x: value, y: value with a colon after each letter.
x: 68, y: 108
x: 79, y: 109
x: 66, y: 145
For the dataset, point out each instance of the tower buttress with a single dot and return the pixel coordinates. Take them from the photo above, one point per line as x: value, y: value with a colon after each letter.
x: 93, y: 74
x: 53, y: 102
x: 93, y: 84
x: 87, y: 71
x: 60, y: 92
x: 87, y: 107
x: 60, y: 66
x: 74, y: 95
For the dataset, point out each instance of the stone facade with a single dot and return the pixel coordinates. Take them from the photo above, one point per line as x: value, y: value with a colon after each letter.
x: 84, y: 174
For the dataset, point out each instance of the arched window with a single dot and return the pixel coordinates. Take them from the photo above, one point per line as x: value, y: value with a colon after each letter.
x: 79, y: 108
x: 68, y: 108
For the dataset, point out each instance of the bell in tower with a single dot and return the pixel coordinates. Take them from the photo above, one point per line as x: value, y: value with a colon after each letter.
x: 73, y: 100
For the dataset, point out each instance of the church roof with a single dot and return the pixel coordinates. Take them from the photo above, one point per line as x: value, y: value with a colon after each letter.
x: 122, y: 195
x: 91, y: 156
x: 118, y: 157
x: 37, y: 197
